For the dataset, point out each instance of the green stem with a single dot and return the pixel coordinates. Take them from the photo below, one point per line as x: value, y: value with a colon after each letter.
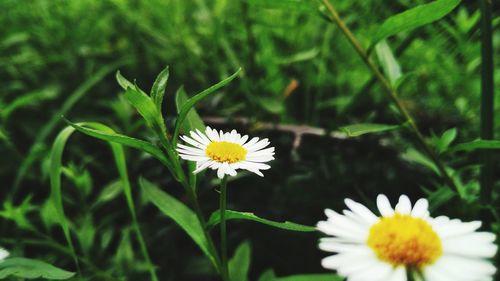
x: 144, y: 250
x: 193, y: 200
x: 223, y: 230
x: 487, y: 94
x: 392, y: 93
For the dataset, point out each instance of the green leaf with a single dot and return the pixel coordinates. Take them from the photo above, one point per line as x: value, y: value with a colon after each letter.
x: 415, y: 17
x: 287, y: 5
x: 31, y: 269
x: 367, y: 128
x: 415, y: 156
x: 235, y: 215
x: 193, y: 120
x: 38, y: 145
x: 143, y: 104
x: 55, y: 185
x: 269, y: 275
x: 194, y: 100
x: 388, y: 62
x: 159, y: 86
x: 477, y: 144
x: 122, y: 139
x: 311, y: 277
x: 123, y: 82
x: 179, y: 213
x: 239, y: 264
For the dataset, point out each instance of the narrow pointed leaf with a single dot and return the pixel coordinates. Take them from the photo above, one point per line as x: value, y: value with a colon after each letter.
x: 122, y: 139
x: 159, y: 86
x: 235, y: 215
x: 239, y: 264
x: 357, y: 130
x: 123, y: 82
x: 178, y: 212
x: 32, y: 269
x: 193, y: 120
x: 269, y: 275
x: 194, y: 100
x: 388, y: 62
x: 143, y: 104
x: 415, y: 17
x: 477, y: 144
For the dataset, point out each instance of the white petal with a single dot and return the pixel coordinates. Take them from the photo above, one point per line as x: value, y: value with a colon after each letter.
x: 211, y: 134
x: 192, y: 142
x: 250, y: 143
x: 3, y: 254
x: 197, y: 138
x: 242, y: 140
x: 476, y: 244
x: 459, y: 268
x: 399, y: 274
x: 361, y: 210
x: 221, y: 171
x: 380, y: 271
x: 193, y: 158
x: 404, y: 205
x: 384, y: 206
x: 420, y: 209
x: 203, y: 166
x: 203, y: 136
x: 259, y: 145
x: 331, y: 229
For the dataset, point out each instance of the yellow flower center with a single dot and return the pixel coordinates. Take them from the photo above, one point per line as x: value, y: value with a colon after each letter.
x: 405, y: 240
x: 223, y: 151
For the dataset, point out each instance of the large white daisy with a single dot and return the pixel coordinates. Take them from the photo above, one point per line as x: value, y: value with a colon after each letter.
x: 372, y: 248
x: 3, y: 254
x: 226, y: 152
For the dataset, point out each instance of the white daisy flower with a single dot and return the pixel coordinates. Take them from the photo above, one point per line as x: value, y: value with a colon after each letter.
x: 383, y: 248
x: 3, y: 254
x: 226, y: 152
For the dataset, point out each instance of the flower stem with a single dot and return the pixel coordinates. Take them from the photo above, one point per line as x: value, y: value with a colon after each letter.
x: 223, y: 230
x: 392, y: 93
x: 180, y: 176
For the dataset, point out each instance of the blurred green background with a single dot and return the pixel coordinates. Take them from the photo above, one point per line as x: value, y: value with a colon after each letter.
x: 59, y: 57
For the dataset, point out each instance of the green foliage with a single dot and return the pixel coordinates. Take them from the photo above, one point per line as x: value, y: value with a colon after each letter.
x: 178, y: 212
x: 239, y: 264
x: 301, y: 82
x: 271, y: 276
x: 158, y: 89
x: 477, y: 144
x: 357, y: 130
x: 235, y: 215
x: 415, y: 17
x: 32, y: 269
x: 122, y: 139
x: 191, y: 102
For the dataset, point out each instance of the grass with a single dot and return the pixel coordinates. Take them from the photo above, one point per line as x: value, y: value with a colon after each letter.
x: 58, y: 58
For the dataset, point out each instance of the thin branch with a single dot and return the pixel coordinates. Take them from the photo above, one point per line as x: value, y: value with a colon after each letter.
x: 297, y: 130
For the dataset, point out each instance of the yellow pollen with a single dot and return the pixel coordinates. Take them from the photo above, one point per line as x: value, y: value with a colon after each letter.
x: 405, y: 240
x: 223, y: 151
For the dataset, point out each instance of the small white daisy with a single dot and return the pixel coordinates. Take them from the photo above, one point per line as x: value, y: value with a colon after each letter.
x: 3, y: 254
x: 371, y: 248
x: 226, y: 152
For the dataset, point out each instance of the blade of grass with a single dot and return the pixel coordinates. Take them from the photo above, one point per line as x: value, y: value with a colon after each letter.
x: 120, y: 161
x: 55, y: 186
x: 44, y: 133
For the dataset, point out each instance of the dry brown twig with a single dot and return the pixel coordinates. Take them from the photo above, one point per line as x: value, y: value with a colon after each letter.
x: 297, y: 130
